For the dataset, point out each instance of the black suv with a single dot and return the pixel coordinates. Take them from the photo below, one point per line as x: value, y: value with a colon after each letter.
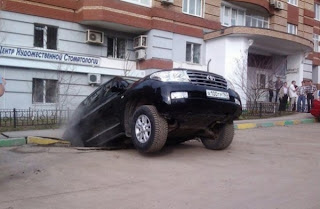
x: 169, y: 106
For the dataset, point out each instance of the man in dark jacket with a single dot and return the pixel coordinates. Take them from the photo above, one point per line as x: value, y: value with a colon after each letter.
x: 278, y: 86
x: 310, y: 89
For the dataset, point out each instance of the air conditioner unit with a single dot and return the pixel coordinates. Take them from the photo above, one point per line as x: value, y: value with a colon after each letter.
x: 279, y: 5
x: 140, y: 54
x: 167, y: 1
x: 94, y: 79
x: 140, y: 42
x: 273, y: 2
x: 95, y: 37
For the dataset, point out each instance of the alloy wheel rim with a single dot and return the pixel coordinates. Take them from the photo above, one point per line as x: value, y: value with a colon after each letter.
x: 143, y: 128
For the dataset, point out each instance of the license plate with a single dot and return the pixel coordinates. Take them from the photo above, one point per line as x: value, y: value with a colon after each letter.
x: 218, y: 94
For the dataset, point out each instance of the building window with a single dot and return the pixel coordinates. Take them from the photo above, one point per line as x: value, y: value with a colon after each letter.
x: 45, y: 36
x: 316, y: 42
x: 44, y: 91
x: 146, y: 3
x: 192, y: 7
x: 293, y: 2
x: 193, y: 53
x: 257, y: 21
x: 232, y: 16
x: 116, y: 48
x: 317, y: 11
x: 292, y: 29
x: 261, y: 80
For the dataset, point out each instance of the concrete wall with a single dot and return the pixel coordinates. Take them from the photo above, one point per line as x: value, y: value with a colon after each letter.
x: 316, y: 75
x: 17, y: 32
x: 229, y: 58
x: 170, y: 46
x: 295, y: 68
x: 307, y: 70
x: 160, y: 45
x: 17, y: 29
x: 73, y: 89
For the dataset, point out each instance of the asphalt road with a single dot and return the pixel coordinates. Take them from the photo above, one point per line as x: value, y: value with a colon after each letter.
x: 265, y: 168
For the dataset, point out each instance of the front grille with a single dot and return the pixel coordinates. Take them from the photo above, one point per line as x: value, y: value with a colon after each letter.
x: 203, y: 79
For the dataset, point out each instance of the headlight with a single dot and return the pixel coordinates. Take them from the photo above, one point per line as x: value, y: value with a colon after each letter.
x: 179, y: 95
x: 171, y: 76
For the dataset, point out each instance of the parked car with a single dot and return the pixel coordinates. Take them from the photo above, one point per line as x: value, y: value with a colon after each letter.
x: 315, y: 110
x: 170, y: 106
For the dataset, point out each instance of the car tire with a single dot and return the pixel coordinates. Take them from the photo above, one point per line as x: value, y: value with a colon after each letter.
x: 222, y: 139
x: 149, y: 130
x: 72, y: 134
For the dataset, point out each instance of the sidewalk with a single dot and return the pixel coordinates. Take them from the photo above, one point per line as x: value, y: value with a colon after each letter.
x: 295, y: 119
x: 49, y: 136
x: 38, y: 137
x: 48, y: 133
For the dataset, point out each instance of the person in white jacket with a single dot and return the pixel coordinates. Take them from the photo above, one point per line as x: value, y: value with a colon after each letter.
x: 293, y: 95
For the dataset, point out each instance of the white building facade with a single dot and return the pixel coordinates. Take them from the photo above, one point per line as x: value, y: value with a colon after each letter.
x: 48, y: 61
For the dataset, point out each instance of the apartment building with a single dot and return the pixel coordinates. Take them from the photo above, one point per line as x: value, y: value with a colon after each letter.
x: 54, y: 53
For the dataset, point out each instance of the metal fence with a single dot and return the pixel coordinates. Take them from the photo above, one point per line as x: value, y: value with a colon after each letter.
x: 50, y: 117
x: 29, y: 117
x: 261, y: 109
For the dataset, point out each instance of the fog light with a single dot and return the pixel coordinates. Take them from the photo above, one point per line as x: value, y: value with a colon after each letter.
x: 179, y: 95
x: 237, y: 101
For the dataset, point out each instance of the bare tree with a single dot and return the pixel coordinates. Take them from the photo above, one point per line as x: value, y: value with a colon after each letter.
x: 127, y: 68
x: 56, y: 88
x: 66, y: 89
x: 255, y: 74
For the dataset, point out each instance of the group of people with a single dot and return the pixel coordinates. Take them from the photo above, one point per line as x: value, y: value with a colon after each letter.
x: 296, y: 95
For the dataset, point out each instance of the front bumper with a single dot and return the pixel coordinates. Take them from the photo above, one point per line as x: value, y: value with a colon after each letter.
x: 198, y: 108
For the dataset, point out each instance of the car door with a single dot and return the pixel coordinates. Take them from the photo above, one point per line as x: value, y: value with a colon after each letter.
x: 106, y: 115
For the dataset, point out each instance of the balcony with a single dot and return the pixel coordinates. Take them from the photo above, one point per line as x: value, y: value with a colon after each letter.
x: 266, y: 40
x: 243, y: 15
x: 233, y: 15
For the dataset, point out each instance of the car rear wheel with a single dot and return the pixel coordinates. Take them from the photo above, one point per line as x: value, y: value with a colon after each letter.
x: 149, y: 130
x: 222, y: 138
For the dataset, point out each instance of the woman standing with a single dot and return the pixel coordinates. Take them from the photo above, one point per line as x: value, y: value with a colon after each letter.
x: 283, y: 97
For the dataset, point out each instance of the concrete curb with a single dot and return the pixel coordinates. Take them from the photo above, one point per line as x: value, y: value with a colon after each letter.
x: 11, y: 142
x: 44, y: 141
x: 243, y: 126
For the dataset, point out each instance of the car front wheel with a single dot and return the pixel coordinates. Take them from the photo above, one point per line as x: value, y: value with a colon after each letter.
x: 223, y: 136
x: 149, y: 130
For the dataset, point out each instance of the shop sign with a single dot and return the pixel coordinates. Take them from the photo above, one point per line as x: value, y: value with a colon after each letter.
x: 48, y: 56
x: 292, y: 70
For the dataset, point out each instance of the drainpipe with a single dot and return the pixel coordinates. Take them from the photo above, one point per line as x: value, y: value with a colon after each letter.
x: 208, y: 67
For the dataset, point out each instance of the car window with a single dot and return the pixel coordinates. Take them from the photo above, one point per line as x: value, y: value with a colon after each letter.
x: 93, y: 98
x: 107, y: 90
